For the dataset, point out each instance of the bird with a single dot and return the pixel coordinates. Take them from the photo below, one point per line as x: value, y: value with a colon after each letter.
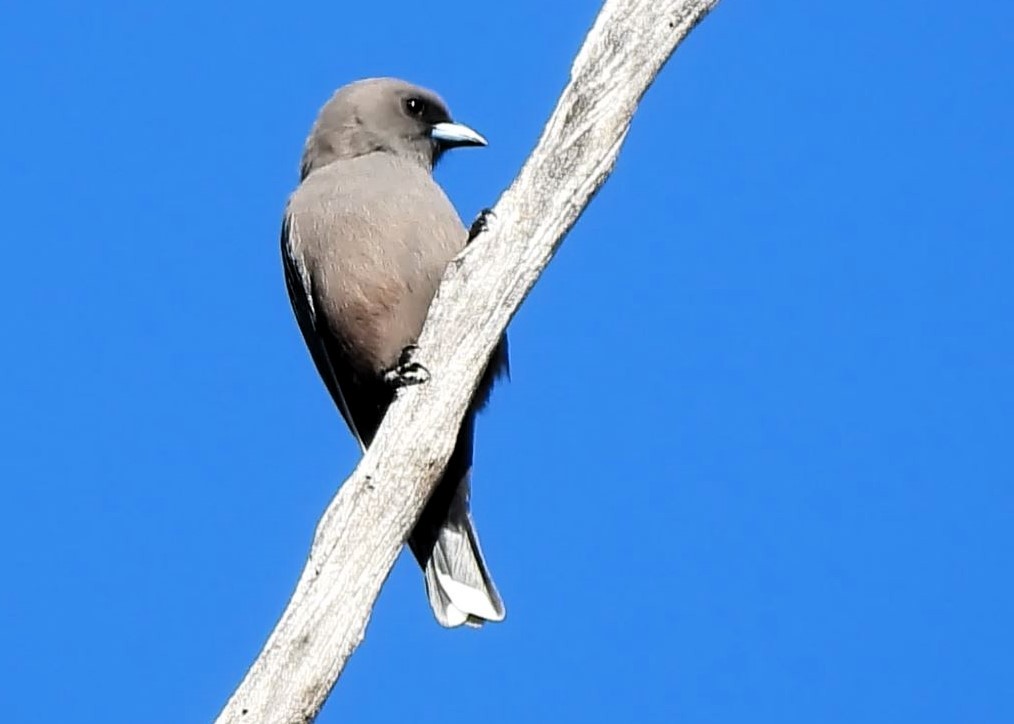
x: 366, y: 236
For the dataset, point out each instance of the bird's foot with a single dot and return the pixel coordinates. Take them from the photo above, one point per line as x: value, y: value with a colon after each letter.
x: 407, y: 371
x: 481, y: 224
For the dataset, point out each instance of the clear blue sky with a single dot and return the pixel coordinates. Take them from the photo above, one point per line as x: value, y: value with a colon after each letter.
x: 755, y: 464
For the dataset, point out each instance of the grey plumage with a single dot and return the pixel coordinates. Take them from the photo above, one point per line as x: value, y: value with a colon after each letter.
x: 365, y: 240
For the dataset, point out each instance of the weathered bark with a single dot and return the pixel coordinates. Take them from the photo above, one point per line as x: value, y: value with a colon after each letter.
x: 364, y: 527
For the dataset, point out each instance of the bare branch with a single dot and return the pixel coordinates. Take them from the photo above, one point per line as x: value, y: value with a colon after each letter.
x: 360, y: 534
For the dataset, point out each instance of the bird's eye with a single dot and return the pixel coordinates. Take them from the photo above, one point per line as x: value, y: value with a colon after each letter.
x: 415, y: 107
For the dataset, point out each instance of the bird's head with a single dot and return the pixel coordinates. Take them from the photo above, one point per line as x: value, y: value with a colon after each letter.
x: 384, y: 115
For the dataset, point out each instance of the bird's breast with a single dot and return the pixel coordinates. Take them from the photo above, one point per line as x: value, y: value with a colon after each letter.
x: 376, y: 250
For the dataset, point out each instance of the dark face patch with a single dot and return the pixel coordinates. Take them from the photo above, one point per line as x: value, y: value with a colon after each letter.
x: 423, y: 111
x: 426, y: 110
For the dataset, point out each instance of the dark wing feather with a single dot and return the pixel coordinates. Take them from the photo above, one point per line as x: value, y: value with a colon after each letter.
x: 300, y: 285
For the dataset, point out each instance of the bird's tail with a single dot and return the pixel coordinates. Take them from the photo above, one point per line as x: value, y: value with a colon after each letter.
x: 458, y: 584
x: 444, y: 542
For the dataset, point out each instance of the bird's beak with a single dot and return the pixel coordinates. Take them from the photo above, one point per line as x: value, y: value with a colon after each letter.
x: 456, y: 134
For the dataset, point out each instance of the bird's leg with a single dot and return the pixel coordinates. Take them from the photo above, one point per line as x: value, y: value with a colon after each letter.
x: 407, y: 371
x: 481, y: 224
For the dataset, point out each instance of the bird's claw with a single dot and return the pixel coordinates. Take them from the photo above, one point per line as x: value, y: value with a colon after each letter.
x: 481, y: 224
x: 407, y: 372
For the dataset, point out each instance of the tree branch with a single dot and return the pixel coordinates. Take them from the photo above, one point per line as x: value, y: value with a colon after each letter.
x: 365, y: 526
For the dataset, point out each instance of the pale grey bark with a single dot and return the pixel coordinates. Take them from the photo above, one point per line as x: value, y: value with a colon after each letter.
x: 364, y: 527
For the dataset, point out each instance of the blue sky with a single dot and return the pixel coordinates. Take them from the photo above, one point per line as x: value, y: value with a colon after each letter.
x: 755, y: 463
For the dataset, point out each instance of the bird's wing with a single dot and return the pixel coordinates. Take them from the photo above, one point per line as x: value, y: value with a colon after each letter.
x: 301, y: 293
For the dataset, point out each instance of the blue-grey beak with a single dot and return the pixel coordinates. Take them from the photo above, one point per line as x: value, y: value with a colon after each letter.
x: 456, y: 134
